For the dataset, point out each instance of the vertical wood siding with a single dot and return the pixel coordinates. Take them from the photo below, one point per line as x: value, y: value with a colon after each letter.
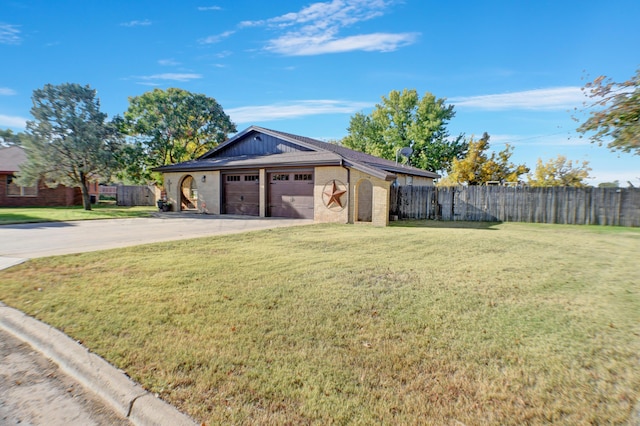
x: 265, y: 145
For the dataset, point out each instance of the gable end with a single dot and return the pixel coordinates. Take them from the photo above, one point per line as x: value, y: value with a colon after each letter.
x: 257, y: 144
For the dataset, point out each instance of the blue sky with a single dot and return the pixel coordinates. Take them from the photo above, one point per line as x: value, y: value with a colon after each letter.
x: 511, y: 68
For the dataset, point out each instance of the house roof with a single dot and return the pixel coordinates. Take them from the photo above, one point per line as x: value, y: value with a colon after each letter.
x: 316, y: 153
x: 256, y: 161
x: 10, y: 159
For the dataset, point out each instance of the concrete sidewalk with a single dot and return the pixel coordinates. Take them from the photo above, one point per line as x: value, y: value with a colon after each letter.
x: 128, y: 400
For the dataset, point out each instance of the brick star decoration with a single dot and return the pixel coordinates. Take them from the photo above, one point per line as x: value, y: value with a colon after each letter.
x: 334, y: 195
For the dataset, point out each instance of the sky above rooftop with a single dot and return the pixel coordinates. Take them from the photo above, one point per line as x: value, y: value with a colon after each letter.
x: 513, y: 69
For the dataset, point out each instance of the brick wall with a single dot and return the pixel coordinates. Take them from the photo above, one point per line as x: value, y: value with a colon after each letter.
x: 46, y: 197
x: 377, y: 199
x: 324, y: 177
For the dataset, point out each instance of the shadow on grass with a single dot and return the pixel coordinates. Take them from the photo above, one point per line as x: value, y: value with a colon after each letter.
x: 414, y: 223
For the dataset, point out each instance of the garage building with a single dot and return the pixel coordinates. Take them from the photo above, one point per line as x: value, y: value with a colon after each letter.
x: 267, y: 173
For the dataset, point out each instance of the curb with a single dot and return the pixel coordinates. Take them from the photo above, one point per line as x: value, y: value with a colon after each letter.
x: 7, y: 262
x: 93, y: 372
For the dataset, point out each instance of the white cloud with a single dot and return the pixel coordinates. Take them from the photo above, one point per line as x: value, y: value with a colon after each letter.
x: 336, y: 13
x: 204, y: 8
x: 296, y: 109
x: 5, y: 91
x: 168, y: 62
x: 172, y: 76
x: 555, y: 139
x: 12, y: 121
x: 557, y: 98
x: 144, y: 23
x: 216, y: 38
x: 9, y: 34
x: 316, y: 29
x: 304, y: 46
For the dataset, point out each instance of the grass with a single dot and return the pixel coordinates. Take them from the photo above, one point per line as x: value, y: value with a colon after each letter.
x: 14, y: 215
x: 339, y: 324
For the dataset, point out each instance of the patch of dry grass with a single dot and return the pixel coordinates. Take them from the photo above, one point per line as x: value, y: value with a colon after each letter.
x: 508, y: 324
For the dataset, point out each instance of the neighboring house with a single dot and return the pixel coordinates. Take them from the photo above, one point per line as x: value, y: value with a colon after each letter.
x: 266, y: 173
x: 40, y: 195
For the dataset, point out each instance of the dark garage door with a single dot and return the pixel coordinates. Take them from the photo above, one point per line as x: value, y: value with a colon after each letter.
x: 291, y: 194
x: 241, y: 194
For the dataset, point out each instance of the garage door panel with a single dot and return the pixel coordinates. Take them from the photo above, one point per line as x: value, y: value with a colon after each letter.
x: 292, y: 206
x: 241, y: 194
x: 291, y: 195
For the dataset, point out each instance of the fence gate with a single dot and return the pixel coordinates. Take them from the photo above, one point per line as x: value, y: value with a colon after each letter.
x: 136, y: 195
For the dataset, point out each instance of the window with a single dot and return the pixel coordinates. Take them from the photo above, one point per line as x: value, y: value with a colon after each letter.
x: 303, y: 176
x: 251, y: 178
x: 233, y: 178
x: 280, y: 177
x: 15, y: 190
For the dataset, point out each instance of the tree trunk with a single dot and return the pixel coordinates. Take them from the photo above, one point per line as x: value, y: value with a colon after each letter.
x: 86, y: 198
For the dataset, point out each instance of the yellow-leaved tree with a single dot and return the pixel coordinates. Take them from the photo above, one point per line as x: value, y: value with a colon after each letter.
x: 560, y: 172
x: 478, y: 167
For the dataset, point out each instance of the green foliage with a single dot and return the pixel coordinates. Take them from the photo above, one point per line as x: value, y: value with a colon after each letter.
x: 169, y: 127
x: 405, y: 120
x: 477, y: 167
x: 614, y: 184
x: 619, y: 120
x: 560, y: 172
x: 8, y: 138
x: 69, y: 141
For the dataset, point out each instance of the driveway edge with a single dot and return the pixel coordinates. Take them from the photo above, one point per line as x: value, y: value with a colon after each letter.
x: 94, y: 373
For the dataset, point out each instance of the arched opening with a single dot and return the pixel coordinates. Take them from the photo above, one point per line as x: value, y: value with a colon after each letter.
x: 188, y: 194
x: 364, y: 205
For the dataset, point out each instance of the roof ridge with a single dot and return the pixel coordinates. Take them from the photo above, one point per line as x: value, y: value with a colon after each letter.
x: 364, y: 157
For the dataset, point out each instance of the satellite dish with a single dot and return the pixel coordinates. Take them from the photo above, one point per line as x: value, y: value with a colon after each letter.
x: 405, y: 152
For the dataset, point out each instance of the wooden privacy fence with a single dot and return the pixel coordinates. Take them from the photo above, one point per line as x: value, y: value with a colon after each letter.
x: 567, y: 205
x: 136, y: 195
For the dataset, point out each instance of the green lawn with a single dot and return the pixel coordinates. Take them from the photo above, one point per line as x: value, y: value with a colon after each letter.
x: 437, y: 323
x: 13, y: 215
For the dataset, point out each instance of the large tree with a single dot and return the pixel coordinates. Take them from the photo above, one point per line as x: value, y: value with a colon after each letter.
x: 170, y: 126
x: 404, y: 120
x: 478, y: 167
x: 614, y: 113
x: 70, y: 141
x: 559, y: 172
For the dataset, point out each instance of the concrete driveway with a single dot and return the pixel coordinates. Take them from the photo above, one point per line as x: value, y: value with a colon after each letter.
x: 27, y: 241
